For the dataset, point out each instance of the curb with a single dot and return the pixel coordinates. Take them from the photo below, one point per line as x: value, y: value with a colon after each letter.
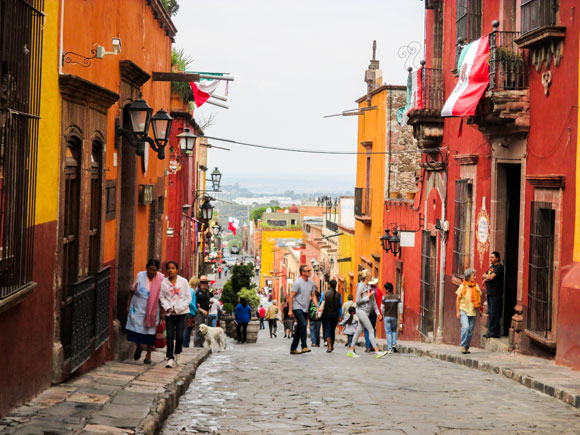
x: 559, y: 392
x: 166, y: 402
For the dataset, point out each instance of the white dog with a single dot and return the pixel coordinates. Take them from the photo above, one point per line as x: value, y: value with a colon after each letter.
x: 215, y: 338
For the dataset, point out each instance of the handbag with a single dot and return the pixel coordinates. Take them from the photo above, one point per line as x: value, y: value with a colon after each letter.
x: 160, y: 335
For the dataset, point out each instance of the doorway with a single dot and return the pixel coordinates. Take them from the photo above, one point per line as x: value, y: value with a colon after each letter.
x: 507, y: 238
x: 428, y: 282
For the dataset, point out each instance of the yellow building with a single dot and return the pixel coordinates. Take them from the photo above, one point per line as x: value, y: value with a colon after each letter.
x: 269, y: 238
x: 346, y: 278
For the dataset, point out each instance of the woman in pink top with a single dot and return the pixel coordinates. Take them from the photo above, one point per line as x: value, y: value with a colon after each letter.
x: 174, y: 298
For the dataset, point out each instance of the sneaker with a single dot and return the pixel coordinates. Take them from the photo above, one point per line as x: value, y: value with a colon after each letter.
x: 395, y: 349
x: 315, y: 345
x: 305, y: 350
x: 295, y: 352
x: 389, y: 352
x: 462, y: 349
x: 380, y: 354
x: 352, y: 354
x: 177, y: 358
x: 170, y: 363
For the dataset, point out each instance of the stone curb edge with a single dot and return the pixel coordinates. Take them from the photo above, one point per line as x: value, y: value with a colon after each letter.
x: 556, y: 392
x: 167, y: 402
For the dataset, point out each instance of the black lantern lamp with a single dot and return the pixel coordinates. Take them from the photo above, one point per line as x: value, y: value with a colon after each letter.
x: 140, y: 119
x: 186, y: 141
x: 391, y: 243
x: 216, y: 177
x: 206, y: 210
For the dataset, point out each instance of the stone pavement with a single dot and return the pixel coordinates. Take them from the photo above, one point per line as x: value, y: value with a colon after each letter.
x: 261, y: 388
x: 119, y: 397
x: 539, y: 374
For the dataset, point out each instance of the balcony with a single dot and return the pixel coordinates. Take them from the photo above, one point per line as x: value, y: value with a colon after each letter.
x: 540, y: 33
x: 362, y: 204
x: 505, y: 107
x: 426, y: 117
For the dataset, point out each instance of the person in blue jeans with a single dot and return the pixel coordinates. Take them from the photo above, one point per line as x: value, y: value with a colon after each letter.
x: 390, y: 310
x: 315, y: 323
x: 303, y: 291
x: 372, y: 316
x: 213, y: 312
x: 242, y: 316
x: 190, y: 318
x: 467, y: 302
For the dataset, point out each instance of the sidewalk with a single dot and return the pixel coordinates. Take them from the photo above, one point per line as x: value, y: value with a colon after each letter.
x: 119, y: 397
x: 537, y: 373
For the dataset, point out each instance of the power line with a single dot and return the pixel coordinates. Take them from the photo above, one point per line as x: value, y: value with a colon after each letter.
x: 298, y: 150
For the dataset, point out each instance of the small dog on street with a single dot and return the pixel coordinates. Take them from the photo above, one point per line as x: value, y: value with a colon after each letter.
x: 215, y: 338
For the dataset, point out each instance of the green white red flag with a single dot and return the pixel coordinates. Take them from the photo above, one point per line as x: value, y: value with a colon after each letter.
x: 473, y: 67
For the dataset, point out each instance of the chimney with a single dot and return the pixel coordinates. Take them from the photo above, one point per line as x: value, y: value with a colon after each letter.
x: 373, y: 75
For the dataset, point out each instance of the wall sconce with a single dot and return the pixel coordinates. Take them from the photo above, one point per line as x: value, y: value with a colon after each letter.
x: 216, y: 230
x: 216, y: 177
x: 186, y: 141
x: 315, y: 265
x: 206, y: 210
x: 140, y: 120
x: 391, y: 243
x: 185, y: 209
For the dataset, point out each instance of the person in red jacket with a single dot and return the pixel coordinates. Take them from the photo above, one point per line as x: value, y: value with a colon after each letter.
x: 262, y: 316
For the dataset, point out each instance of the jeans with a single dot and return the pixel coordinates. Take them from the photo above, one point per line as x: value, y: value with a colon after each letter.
x: 315, y: 332
x: 373, y: 319
x: 174, y: 325
x: 262, y: 323
x: 391, y: 331
x: 349, y: 337
x: 241, y: 330
x: 467, y: 325
x: 300, y: 330
x: 187, y: 332
x: 212, y: 320
x: 329, y: 322
x: 494, y: 314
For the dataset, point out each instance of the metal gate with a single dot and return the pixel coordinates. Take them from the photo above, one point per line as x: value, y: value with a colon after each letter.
x: 20, y: 73
x: 428, y: 264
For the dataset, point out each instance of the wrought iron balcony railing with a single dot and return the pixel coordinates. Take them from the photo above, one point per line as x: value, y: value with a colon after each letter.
x: 507, y: 63
x: 538, y: 13
x: 433, y: 94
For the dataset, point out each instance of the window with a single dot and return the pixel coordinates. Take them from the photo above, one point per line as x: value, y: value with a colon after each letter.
x: 462, y: 226
x: 468, y: 19
x: 538, y: 13
x: 95, y: 212
x: 541, y: 267
x: 111, y: 200
x: 20, y: 54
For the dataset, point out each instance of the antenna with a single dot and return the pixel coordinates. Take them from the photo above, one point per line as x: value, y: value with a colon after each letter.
x: 374, y: 49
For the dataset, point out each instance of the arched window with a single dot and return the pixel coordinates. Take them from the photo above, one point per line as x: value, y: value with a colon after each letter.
x: 95, y: 211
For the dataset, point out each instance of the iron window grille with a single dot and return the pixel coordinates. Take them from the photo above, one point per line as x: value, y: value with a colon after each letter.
x: 538, y: 13
x: 541, y: 267
x: 468, y: 24
x: 462, y: 226
x: 21, y: 34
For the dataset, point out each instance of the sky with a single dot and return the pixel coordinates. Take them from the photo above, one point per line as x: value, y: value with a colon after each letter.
x: 294, y: 61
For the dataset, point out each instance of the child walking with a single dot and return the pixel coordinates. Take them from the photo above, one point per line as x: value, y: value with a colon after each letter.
x: 350, y: 324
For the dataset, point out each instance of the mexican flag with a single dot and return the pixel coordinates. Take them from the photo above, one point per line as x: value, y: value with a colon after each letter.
x: 414, y: 96
x: 233, y: 224
x: 473, y: 70
x: 203, y: 90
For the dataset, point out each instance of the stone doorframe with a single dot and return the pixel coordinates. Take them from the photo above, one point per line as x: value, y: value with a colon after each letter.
x: 515, y: 152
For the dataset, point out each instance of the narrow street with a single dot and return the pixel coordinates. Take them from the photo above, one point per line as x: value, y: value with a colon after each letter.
x: 261, y: 388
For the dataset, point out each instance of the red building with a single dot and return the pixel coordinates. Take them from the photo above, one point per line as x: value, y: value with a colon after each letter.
x: 501, y: 180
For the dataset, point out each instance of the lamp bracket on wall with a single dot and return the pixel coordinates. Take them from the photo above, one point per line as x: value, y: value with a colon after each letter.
x: 78, y: 59
x: 136, y: 142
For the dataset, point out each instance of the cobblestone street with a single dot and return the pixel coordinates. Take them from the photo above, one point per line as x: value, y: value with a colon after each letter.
x: 261, y: 388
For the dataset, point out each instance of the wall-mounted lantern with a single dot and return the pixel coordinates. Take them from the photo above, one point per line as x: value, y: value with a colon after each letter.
x: 391, y: 243
x: 207, y: 210
x: 186, y: 141
x: 216, y: 230
x: 140, y: 119
x: 216, y: 177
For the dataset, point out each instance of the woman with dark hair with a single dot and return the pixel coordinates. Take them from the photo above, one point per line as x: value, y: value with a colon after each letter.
x: 143, y: 309
x: 288, y: 321
x: 242, y: 315
x: 332, y: 310
x: 175, y: 298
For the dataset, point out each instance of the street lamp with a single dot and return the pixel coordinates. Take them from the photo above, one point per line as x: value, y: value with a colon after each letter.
x: 391, y: 243
x: 186, y: 141
x: 216, y: 230
x: 206, y: 210
x: 140, y: 120
x: 216, y: 177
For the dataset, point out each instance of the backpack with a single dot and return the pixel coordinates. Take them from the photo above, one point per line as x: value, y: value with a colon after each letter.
x: 312, y: 311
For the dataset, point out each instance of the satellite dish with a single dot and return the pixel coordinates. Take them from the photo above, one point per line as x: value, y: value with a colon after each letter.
x: 268, y: 210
